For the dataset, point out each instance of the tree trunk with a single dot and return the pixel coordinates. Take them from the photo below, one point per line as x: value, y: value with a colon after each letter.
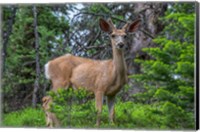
x: 150, y: 27
x: 6, y: 34
x: 150, y: 14
x: 1, y: 68
x: 36, y: 84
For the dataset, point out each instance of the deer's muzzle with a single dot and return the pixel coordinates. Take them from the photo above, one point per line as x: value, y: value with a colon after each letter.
x: 120, y: 45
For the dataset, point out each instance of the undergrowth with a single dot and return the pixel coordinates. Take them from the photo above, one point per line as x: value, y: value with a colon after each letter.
x: 128, y: 116
x: 75, y: 112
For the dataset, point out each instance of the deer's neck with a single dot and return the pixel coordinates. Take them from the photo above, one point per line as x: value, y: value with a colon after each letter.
x: 119, y: 61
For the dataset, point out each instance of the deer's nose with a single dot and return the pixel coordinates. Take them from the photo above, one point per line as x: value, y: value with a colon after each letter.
x: 120, y: 45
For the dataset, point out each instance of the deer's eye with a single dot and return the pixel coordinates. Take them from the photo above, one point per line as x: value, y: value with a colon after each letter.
x: 113, y: 36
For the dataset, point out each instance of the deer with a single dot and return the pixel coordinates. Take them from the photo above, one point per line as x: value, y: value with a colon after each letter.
x: 101, y: 77
x: 51, y: 119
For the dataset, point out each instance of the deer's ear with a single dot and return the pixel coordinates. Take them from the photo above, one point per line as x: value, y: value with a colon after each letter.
x: 133, y: 26
x: 104, y: 25
x: 44, y: 99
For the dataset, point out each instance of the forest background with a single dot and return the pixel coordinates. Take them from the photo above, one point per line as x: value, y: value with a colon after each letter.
x: 160, y: 57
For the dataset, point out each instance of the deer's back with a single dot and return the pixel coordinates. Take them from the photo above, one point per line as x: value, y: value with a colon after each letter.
x: 62, y: 66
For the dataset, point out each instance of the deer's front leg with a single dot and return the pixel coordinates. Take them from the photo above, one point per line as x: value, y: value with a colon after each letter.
x: 111, y: 107
x: 99, y: 103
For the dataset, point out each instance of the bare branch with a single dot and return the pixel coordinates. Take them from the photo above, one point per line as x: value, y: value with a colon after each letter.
x: 99, y: 14
x: 147, y: 33
x: 96, y: 47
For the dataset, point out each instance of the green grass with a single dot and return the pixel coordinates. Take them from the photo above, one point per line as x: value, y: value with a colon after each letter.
x: 128, y: 115
x: 27, y: 117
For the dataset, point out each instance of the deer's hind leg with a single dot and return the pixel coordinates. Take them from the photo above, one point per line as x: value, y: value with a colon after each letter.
x: 61, y: 83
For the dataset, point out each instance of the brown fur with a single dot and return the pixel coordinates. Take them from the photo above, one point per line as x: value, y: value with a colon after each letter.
x: 51, y: 119
x: 60, y: 70
x: 105, y: 77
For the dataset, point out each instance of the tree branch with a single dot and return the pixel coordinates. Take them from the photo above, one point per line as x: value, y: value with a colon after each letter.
x: 99, y: 14
x: 95, y: 47
x: 147, y: 33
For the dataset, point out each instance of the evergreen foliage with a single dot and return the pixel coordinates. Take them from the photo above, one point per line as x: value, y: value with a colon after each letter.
x: 165, y: 81
x: 168, y: 77
x: 20, y: 61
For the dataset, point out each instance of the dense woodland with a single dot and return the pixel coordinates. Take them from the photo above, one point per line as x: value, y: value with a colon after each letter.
x: 159, y: 55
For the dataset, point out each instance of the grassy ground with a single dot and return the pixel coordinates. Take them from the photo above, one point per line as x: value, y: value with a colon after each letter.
x: 28, y: 117
x: 128, y: 116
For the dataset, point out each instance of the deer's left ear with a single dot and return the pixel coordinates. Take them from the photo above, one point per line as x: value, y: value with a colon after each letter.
x: 131, y: 27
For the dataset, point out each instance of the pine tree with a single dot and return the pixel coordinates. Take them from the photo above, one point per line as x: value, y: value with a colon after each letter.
x: 20, y: 72
x: 168, y: 77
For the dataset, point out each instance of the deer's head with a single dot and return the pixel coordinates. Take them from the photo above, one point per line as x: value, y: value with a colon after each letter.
x: 118, y: 36
x: 46, y: 102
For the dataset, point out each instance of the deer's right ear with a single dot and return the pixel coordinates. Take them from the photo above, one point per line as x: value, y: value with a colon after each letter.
x: 104, y: 25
